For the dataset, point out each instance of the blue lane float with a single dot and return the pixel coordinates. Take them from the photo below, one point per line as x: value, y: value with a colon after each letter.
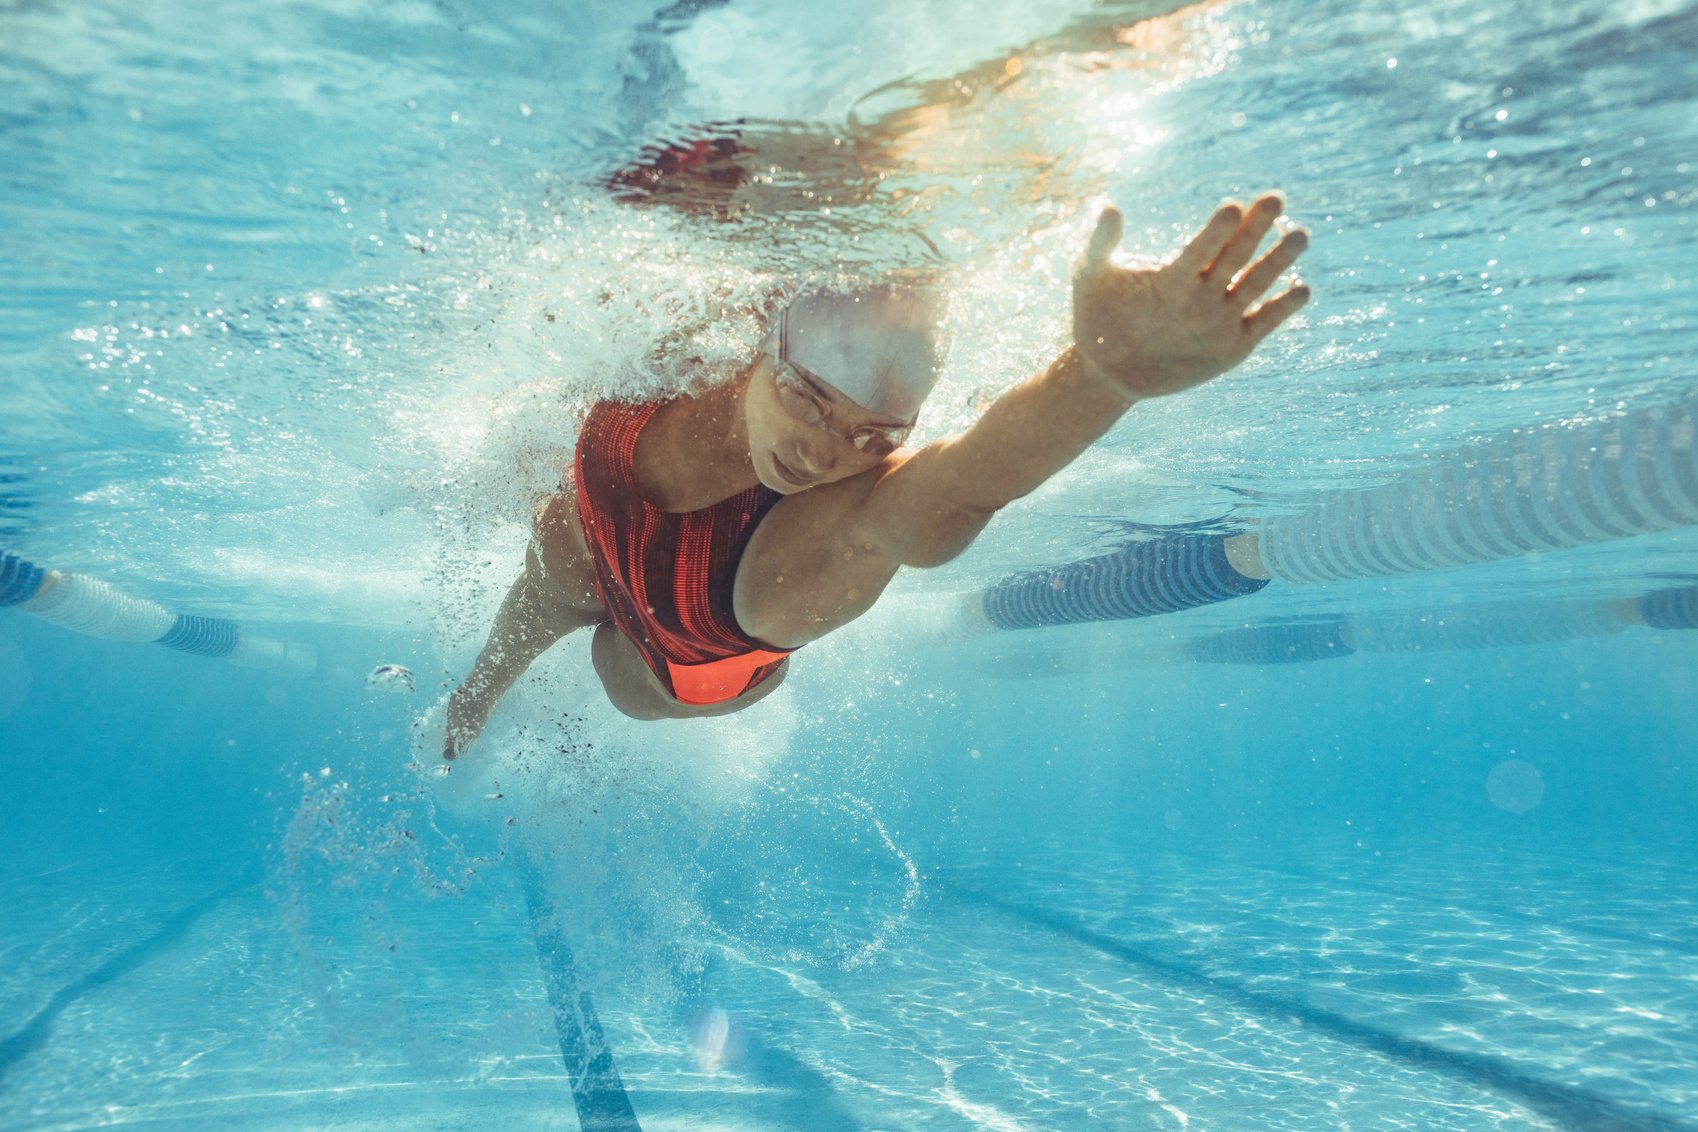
x: 1489, y: 625
x: 1527, y: 491
x: 1141, y: 579
x: 95, y: 609
x: 19, y: 580
x: 1670, y: 609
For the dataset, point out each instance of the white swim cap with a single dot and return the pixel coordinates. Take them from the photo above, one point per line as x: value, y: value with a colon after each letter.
x: 878, y: 345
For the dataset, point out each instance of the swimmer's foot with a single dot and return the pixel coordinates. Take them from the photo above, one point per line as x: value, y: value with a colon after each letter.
x: 747, y: 166
x: 698, y: 173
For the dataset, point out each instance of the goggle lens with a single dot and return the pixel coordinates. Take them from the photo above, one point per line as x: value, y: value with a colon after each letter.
x: 802, y: 402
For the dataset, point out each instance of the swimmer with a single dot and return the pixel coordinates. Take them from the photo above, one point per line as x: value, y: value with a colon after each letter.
x: 705, y: 538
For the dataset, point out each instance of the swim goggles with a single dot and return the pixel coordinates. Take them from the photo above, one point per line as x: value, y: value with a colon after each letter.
x: 802, y: 393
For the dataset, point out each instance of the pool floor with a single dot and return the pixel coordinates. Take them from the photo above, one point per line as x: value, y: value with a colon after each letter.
x: 1135, y: 986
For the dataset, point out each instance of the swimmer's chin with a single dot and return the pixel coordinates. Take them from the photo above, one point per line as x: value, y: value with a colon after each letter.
x: 780, y: 477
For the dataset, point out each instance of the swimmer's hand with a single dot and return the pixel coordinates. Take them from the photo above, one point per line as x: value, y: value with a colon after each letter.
x: 1155, y: 331
x: 466, y: 716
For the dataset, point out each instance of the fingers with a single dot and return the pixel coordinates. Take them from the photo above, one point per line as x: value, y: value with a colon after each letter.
x: 1242, y: 244
x: 1200, y: 252
x: 1275, y: 311
x: 1265, y: 271
x: 1104, y: 239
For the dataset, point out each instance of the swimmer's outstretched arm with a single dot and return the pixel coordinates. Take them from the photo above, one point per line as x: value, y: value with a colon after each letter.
x: 1137, y: 333
x: 531, y: 619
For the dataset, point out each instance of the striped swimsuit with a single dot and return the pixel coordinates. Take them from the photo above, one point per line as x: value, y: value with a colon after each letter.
x: 667, y: 577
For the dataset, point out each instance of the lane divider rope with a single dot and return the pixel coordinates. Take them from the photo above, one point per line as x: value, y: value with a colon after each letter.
x: 97, y: 609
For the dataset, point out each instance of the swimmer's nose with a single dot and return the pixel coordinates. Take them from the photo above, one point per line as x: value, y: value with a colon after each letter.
x: 815, y: 460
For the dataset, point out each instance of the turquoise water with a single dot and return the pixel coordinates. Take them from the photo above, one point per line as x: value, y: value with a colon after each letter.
x: 297, y: 306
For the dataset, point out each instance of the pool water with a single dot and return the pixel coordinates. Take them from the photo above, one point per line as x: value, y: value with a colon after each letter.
x: 299, y: 305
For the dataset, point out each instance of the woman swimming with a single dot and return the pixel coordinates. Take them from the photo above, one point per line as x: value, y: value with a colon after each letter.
x: 707, y: 537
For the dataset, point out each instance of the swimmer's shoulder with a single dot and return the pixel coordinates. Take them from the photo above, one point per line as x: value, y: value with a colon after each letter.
x: 844, y: 506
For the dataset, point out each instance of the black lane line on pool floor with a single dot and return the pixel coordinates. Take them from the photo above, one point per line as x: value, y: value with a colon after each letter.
x: 1574, y: 1109
x: 34, y: 1033
x: 1596, y: 931
x: 598, y: 1092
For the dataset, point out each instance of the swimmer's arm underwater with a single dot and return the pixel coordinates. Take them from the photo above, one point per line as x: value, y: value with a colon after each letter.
x: 1138, y: 333
x: 532, y: 618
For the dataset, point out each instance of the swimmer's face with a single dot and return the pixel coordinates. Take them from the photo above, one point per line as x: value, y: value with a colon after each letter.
x: 828, y: 358
x: 801, y: 436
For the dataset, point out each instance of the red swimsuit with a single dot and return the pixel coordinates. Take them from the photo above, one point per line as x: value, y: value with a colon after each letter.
x: 666, y: 577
